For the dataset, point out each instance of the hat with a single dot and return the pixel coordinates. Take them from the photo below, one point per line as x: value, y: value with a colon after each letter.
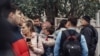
x: 86, y: 18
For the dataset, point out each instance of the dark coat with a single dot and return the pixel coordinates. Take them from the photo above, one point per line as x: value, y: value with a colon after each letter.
x: 91, y: 36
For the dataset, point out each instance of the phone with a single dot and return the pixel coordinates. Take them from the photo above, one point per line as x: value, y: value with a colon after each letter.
x: 28, y: 39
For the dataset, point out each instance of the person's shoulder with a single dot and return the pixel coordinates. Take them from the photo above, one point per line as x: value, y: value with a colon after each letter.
x: 65, y: 30
x: 87, y: 29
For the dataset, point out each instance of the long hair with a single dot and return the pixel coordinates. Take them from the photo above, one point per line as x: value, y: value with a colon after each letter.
x: 62, y: 24
x: 29, y: 24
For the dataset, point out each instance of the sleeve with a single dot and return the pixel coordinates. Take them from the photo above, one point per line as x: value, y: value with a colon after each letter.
x: 39, y: 49
x: 84, y: 46
x: 50, y: 42
x: 57, y: 44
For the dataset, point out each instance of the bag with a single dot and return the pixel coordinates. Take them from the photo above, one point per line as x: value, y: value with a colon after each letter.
x: 71, y: 45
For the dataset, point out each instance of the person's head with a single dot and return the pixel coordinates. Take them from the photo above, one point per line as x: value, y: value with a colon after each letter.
x: 62, y: 24
x: 44, y: 26
x: 85, y: 20
x: 12, y: 13
x: 49, y: 31
x: 48, y: 23
x: 72, y: 22
x: 27, y: 27
x: 37, y: 20
x: 15, y: 15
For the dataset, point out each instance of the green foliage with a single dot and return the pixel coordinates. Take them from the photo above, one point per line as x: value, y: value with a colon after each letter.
x: 63, y: 7
x: 30, y: 7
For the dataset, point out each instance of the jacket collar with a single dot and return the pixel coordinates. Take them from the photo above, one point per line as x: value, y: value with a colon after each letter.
x: 72, y: 28
x: 14, y: 27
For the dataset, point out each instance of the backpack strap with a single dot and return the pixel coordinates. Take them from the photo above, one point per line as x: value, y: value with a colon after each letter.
x: 37, y: 40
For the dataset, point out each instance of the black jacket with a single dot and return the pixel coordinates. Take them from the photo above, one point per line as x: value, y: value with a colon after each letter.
x: 86, y: 31
x: 91, y: 37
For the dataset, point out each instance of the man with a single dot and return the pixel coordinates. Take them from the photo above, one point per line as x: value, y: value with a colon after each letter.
x: 11, y: 14
x: 90, y: 34
x: 37, y: 23
x: 71, y: 25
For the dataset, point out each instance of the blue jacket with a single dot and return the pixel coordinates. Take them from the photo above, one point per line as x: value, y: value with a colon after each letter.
x: 83, y: 44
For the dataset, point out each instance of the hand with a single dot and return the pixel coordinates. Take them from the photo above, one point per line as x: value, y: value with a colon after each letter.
x: 29, y: 44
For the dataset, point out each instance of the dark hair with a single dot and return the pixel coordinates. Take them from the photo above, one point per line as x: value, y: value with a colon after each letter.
x: 29, y: 23
x: 73, y: 21
x: 7, y: 9
x: 50, y: 30
x: 87, y: 18
x: 13, y: 8
x: 36, y: 17
x: 62, y: 24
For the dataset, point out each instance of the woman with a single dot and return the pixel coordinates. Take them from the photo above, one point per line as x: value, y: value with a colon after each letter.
x: 61, y: 27
x: 32, y: 38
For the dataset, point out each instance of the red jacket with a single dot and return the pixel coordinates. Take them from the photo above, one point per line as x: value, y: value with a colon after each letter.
x: 19, y: 45
x: 20, y: 48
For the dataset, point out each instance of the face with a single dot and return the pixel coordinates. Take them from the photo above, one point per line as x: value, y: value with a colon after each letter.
x: 67, y: 24
x: 48, y: 24
x: 37, y: 22
x: 24, y: 28
x: 15, y: 17
x: 46, y: 32
x: 44, y: 26
x: 83, y: 22
x: 22, y: 20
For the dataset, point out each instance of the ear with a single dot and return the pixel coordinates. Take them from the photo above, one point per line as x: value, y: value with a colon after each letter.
x: 11, y: 14
x: 68, y: 23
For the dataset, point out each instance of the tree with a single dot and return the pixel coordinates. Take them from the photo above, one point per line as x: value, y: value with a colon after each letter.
x: 54, y: 8
x: 79, y: 7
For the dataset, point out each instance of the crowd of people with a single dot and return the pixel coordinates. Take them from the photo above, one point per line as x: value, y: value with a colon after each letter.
x: 32, y: 37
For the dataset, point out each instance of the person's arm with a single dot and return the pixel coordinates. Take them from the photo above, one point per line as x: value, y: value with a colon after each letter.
x: 84, y: 46
x: 50, y: 42
x: 57, y: 44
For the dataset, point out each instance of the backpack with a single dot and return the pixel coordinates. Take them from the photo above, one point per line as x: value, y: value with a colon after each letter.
x: 71, y: 45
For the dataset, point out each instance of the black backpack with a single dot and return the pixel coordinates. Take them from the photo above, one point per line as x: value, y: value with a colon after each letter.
x: 71, y: 44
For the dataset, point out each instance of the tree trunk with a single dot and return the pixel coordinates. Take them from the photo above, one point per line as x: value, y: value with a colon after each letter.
x: 51, y: 11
